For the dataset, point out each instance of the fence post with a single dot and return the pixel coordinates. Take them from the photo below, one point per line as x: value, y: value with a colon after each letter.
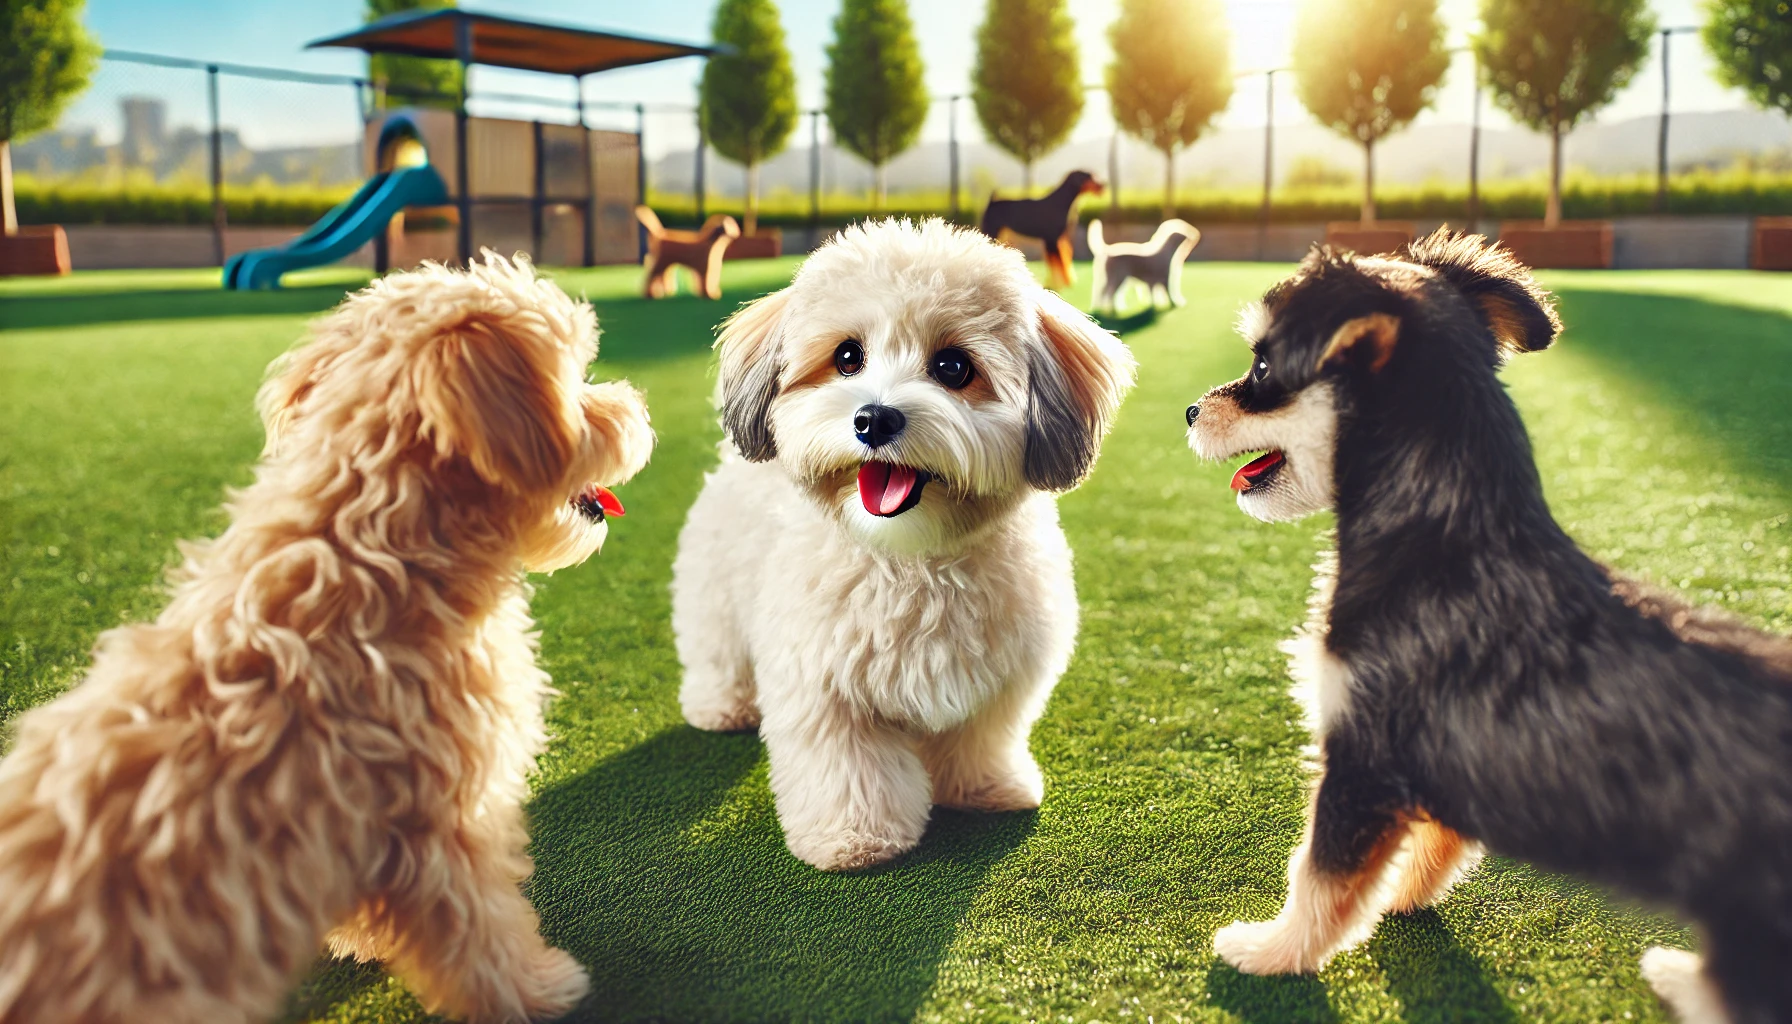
x: 538, y: 190
x: 1474, y: 157
x: 814, y: 175
x: 640, y: 177
x: 217, y: 140
x: 1114, y: 176
x: 589, y: 255
x: 702, y: 144
x: 463, y: 200
x: 1269, y: 162
x: 1661, y: 144
x: 952, y: 150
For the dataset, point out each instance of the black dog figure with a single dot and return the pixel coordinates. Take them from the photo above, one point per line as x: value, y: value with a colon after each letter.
x: 1474, y: 677
x: 1048, y: 219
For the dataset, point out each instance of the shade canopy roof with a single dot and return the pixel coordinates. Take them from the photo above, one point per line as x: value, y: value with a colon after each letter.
x: 509, y: 42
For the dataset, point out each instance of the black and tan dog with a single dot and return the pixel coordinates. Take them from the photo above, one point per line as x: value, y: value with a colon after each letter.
x: 1472, y: 676
x: 1048, y: 219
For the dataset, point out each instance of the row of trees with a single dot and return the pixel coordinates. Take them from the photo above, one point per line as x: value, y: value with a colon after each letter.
x: 1365, y: 68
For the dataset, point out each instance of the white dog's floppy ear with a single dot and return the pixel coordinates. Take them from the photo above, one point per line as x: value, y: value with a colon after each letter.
x: 752, y: 359
x: 1074, y: 386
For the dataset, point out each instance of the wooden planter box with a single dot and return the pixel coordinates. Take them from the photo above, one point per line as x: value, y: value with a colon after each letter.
x: 1772, y: 249
x: 1572, y: 245
x: 763, y: 244
x: 1371, y: 239
x: 41, y: 249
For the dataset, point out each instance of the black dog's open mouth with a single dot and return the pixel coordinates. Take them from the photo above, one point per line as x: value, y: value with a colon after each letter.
x: 1258, y: 472
x: 888, y: 490
x: 595, y: 502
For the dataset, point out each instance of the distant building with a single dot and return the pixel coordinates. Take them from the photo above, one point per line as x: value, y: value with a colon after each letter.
x: 145, y: 130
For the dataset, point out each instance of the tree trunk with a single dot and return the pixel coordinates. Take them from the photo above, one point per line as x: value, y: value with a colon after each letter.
x: 9, y: 214
x: 752, y: 215
x: 1368, y: 182
x: 877, y: 201
x: 1169, y: 183
x: 1552, y: 213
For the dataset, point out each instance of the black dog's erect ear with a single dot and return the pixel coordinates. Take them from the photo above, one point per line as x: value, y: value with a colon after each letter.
x: 752, y: 360
x: 1521, y: 315
x: 1074, y: 388
x: 1370, y: 338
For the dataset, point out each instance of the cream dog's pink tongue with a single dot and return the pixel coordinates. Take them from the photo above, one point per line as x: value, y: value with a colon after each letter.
x: 883, y: 487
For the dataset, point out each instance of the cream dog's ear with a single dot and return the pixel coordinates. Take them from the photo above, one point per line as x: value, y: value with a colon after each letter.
x: 752, y: 359
x: 1075, y: 382
x: 482, y: 398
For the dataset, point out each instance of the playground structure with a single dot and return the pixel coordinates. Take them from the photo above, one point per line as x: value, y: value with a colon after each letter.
x: 442, y: 184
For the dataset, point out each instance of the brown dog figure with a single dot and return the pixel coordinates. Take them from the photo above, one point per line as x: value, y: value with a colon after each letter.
x: 326, y: 737
x: 699, y: 251
x: 1048, y: 219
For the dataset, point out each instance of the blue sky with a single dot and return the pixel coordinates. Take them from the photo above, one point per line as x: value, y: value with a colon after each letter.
x: 273, y: 32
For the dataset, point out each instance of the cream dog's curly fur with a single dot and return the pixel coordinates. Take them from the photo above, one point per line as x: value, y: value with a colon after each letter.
x: 331, y: 725
x: 892, y: 661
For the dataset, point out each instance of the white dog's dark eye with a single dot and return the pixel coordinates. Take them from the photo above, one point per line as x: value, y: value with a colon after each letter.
x: 849, y: 358
x: 1261, y: 370
x: 951, y: 367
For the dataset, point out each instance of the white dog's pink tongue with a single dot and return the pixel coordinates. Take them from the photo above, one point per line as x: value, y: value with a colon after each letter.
x: 883, y: 487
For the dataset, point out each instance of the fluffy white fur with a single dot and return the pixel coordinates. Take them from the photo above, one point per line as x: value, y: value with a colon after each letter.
x: 892, y: 663
x: 329, y: 729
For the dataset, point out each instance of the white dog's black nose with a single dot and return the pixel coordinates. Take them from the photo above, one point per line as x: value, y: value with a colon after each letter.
x: 878, y: 425
x: 1193, y: 411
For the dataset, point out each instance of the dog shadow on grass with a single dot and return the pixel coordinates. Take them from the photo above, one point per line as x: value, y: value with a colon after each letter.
x: 1729, y: 365
x: 665, y: 872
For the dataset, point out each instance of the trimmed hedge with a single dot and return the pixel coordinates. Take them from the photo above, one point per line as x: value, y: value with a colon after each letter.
x: 1584, y: 196
x: 40, y: 203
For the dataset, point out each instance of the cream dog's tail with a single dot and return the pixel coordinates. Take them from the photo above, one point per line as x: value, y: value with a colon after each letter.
x: 1097, y: 244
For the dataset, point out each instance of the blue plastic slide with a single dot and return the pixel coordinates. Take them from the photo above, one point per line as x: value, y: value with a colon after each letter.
x: 341, y: 231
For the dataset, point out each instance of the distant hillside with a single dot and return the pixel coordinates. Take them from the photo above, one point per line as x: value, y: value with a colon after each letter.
x: 1236, y: 156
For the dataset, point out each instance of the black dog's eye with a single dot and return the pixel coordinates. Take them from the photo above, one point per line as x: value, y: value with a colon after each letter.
x: 1261, y: 370
x: 951, y: 367
x: 849, y: 358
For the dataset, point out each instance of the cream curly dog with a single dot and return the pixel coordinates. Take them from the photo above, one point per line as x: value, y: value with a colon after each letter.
x: 331, y: 724
x: 879, y: 580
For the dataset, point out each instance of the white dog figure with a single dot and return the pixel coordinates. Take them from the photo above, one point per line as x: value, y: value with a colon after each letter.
x: 878, y: 580
x: 1156, y: 264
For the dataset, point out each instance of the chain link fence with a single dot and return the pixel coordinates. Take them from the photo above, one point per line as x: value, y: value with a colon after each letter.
x: 163, y: 141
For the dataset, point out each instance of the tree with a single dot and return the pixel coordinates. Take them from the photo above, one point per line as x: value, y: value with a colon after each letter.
x: 1027, y: 85
x: 1366, y: 69
x: 411, y: 81
x: 1751, y: 40
x: 46, y: 59
x: 1170, y: 77
x: 749, y: 95
x: 876, y: 95
x: 1550, y: 63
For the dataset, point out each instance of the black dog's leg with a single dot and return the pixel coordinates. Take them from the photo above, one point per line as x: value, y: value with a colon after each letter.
x: 1335, y: 895
x: 1742, y: 978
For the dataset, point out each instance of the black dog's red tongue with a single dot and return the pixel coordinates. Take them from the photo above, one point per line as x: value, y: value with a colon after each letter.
x: 1249, y: 472
x: 884, y: 487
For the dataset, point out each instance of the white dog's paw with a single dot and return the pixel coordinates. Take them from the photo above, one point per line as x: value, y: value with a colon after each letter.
x: 1678, y: 977
x: 849, y: 850
x: 1262, y: 947
x: 1018, y: 787
x: 722, y: 717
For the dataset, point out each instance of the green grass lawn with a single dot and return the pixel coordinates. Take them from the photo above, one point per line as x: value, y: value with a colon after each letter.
x: 1170, y: 748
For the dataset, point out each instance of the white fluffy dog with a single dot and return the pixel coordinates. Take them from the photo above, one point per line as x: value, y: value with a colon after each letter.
x: 879, y: 580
